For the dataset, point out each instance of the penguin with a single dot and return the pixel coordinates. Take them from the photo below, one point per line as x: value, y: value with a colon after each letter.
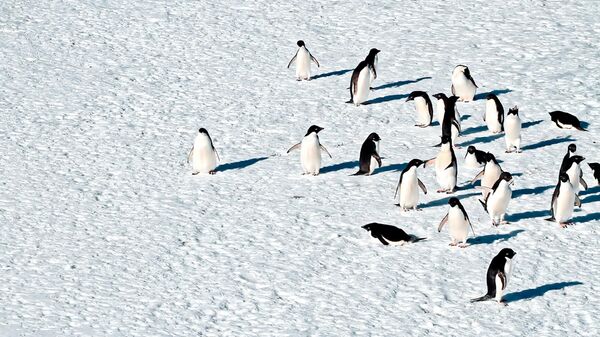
x: 497, y: 276
x: 494, y: 114
x: 572, y: 167
x: 565, y: 120
x: 571, y: 149
x: 303, y: 58
x: 458, y: 223
x: 463, y: 85
x: 203, y: 155
x: 497, y: 200
x: 310, y: 151
x: 563, y: 199
x: 474, y: 158
x: 408, y: 185
x: 368, y: 155
x: 446, y: 167
x: 360, y: 83
x: 512, y: 130
x: 441, y: 108
x: 424, y: 107
x: 596, y: 169
x: 387, y: 234
x: 450, y: 124
x: 489, y: 175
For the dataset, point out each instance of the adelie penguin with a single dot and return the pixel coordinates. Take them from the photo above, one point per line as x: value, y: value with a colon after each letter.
x: 572, y: 167
x: 571, y: 149
x: 497, y: 276
x: 409, y: 185
x: 368, y: 155
x: 310, y: 151
x: 203, y: 155
x: 563, y: 199
x: 451, y: 123
x: 474, y: 158
x: 303, y: 58
x: 512, y: 130
x: 489, y: 175
x: 387, y: 234
x: 440, y: 107
x: 496, y: 202
x: 565, y: 120
x: 458, y: 223
x: 360, y: 82
x: 423, y: 106
x: 494, y: 114
x: 446, y: 167
x: 463, y: 84
x: 596, y: 169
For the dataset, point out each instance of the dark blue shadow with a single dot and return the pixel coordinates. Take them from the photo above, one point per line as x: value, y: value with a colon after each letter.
x: 548, y: 142
x: 240, y: 164
x: 535, y: 190
x: 539, y: 291
x: 586, y: 218
x: 393, y: 167
x: 590, y: 199
x: 528, y: 215
x: 483, y: 139
x: 444, y: 201
x: 387, y: 98
x: 464, y: 117
x: 332, y: 73
x: 340, y: 166
x: 584, y: 125
x: 529, y: 124
x: 497, y: 92
x: 474, y: 129
x: 436, y: 123
x: 491, y: 238
x: 591, y: 190
x: 400, y: 83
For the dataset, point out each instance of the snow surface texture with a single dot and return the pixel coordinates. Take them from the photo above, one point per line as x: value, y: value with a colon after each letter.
x: 105, y: 232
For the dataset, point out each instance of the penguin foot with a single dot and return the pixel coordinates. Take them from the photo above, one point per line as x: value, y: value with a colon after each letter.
x: 503, y: 303
x: 298, y: 79
x: 213, y: 172
x: 452, y: 244
x: 195, y: 173
x: 463, y: 245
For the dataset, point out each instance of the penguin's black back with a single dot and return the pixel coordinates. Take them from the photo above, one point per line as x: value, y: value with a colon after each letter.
x: 390, y: 233
x: 367, y: 150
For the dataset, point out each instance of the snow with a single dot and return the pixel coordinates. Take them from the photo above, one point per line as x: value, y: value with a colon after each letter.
x: 105, y: 232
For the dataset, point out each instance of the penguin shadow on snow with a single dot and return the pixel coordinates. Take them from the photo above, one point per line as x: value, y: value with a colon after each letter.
x: 384, y: 99
x: 497, y: 92
x: 332, y: 73
x: 393, y: 167
x: 539, y: 291
x: 481, y: 128
x: 491, y: 238
x: 586, y: 218
x: 444, y: 201
x: 400, y: 83
x: 527, y: 215
x: 483, y: 139
x: 547, y: 142
x: 340, y: 166
x: 240, y: 164
x: 527, y: 191
x: 591, y: 190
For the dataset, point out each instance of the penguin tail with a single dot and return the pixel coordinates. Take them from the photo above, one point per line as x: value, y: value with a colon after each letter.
x: 416, y: 239
x: 438, y: 145
x: 482, y: 298
x: 580, y: 128
x: 350, y: 101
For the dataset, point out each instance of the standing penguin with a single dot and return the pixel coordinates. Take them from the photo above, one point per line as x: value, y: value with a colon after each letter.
x: 494, y: 114
x: 463, y: 85
x: 387, y: 234
x: 450, y: 123
x: 497, y: 200
x: 408, y: 185
x: 360, y: 83
x: 512, y: 129
x: 424, y: 108
x: 474, y: 158
x: 368, y: 155
x: 203, y: 155
x: 441, y: 108
x: 489, y: 175
x: 565, y: 120
x: 572, y: 167
x: 497, y: 276
x: 458, y: 223
x: 446, y: 167
x: 310, y: 151
x: 303, y: 58
x: 596, y: 169
x: 563, y: 199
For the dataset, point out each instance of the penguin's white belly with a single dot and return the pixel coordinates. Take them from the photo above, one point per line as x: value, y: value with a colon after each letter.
x: 441, y: 110
x: 512, y: 129
x: 463, y: 88
x: 491, y: 175
x: 409, y: 190
x: 454, y: 134
x: 310, y: 154
x: 574, y: 174
x: 423, y: 117
x: 498, y: 201
x: 499, y: 290
x: 458, y: 227
x: 564, y: 126
x: 373, y: 165
x: 363, y: 85
x: 491, y: 117
x: 471, y: 161
x: 204, y: 159
x: 446, y: 177
x: 563, y: 210
x: 303, y: 64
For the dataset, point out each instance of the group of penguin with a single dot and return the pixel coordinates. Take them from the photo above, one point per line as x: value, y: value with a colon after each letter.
x: 495, y: 183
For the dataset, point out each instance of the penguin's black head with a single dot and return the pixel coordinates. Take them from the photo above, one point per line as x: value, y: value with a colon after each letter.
x: 374, y: 137
x: 594, y: 166
x: 577, y: 159
x: 446, y: 139
x: 471, y: 149
x: 314, y: 128
x: 374, y: 51
x: 489, y: 157
x: 203, y: 130
x: 453, y: 99
x: 440, y: 95
x: 490, y: 96
x: 300, y: 43
x: 370, y: 226
x: 572, y: 147
x: 415, y: 163
x: 453, y: 202
x: 507, y: 253
x: 563, y: 177
x: 513, y: 111
x: 506, y: 176
x: 553, y: 115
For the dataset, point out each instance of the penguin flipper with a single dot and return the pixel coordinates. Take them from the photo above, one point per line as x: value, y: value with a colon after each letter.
x: 583, y: 183
x: 293, y: 59
x: 315, y: 60
x: 378, y: 158
x: 324, y: 149
x: 577, y: 201
x: 422, y: 186
x: 478, y: 176
x: 385, y: 243
x: 502, y: 277
x: 190, y: 154
x: 443, y: 222
x: 452, y: 90
x: 297, y: 146
x: 217, y: 153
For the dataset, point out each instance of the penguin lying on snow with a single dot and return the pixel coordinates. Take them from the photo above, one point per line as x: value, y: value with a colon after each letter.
x: 463, y: 84
x: 368, y: 155
x: 203, y: 155
x: 496, y: 202
x: 474, y: 158
x: 458, y: 223
x: 408, y: 185
x: 424, y: 107
x: 494, y: 114
x: 565, y: 120
x: 360, y: 82
x: 387, y: 234
x: 497, y: 276
x: 303, y: 58
x: 310, y: 151
x: 563, y: 199
x: 596, y: 168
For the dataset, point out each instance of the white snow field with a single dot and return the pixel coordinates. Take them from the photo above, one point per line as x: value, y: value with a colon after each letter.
x: 105, y: 232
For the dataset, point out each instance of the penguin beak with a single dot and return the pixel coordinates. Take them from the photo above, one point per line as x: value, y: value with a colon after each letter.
x: 408, y: 99
x: 511, y: 182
